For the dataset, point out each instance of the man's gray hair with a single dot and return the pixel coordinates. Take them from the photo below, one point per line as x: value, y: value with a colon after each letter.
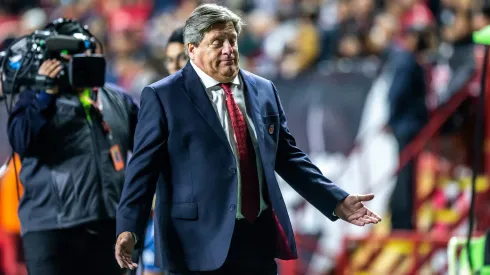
x: 205, y: 16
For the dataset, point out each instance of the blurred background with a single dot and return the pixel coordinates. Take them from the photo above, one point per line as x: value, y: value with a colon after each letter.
x: 382, y: 94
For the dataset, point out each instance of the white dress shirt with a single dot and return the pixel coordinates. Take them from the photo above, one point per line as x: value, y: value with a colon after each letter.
x: 218, y: 100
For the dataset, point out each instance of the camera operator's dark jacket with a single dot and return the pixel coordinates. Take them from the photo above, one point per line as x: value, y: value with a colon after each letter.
x: 67, y: 170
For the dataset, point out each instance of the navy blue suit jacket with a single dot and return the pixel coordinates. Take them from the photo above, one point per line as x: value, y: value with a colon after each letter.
x: 182, y: 153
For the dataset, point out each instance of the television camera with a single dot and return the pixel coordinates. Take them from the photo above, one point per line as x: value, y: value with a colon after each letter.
x: 20, y: 62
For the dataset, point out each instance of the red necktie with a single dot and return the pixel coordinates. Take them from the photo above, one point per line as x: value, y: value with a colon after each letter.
x: 248, y: 165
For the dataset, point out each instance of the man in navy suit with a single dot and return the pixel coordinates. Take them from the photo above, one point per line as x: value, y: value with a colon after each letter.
x: 208, y: 140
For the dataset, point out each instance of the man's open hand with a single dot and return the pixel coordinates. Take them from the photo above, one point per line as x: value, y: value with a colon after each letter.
x: 352, y: 210
x: 124, y: 250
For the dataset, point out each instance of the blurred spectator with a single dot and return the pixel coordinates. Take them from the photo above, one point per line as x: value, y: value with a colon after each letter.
x: 362, y: 12
x: 415, y: 13
x: 456, y: 51
x: 408, y: 115
x: 481, y: 17
x: 8, y: 25
x: 350, y: 46
x: 32, y: 20
x: 175, y: 57
x: 381, y: 35
x: 302, y: 51
x: 459, y: 30
x: 283, y: 37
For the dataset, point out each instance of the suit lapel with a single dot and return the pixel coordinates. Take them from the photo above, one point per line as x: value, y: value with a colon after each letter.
x: 252, y: 101
x: 197, y: 94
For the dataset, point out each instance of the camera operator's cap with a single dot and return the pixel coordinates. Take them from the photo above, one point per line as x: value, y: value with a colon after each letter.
x: 482, y: 36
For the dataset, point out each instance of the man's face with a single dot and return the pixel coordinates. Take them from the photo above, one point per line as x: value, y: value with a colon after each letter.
x: 217, y: 54
x: 175, y: 57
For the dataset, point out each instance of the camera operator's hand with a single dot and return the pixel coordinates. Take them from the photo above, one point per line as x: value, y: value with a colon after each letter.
x: 51, y: 68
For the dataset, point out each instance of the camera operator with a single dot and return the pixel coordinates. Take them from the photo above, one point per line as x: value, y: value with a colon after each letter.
x: 73, y: 145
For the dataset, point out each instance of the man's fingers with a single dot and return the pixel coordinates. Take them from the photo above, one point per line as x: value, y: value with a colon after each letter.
x: 357, y: 222
x: 356, y: 216
x: 370, y: 219
x: 123, y: 256
x: 120, y: 262
x: 125, y: 261
x: 117, y: 251
x: 374, y: 215
x: 367, y: 197
x: 364, y: 220
x: 128, y: 262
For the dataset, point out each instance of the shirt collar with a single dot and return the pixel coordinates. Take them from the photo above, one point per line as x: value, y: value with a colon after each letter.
x: 207, y: 80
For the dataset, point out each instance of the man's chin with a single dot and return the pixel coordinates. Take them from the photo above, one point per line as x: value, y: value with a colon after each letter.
x: 230, y: 73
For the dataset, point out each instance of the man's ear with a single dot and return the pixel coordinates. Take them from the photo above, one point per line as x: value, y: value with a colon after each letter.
x: 191, y: 49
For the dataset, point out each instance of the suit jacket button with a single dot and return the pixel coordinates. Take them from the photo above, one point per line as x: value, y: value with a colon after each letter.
x: 232, y: 207
x: 232, y: 171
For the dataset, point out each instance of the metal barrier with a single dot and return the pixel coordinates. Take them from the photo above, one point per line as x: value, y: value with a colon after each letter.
x: 397, y: 253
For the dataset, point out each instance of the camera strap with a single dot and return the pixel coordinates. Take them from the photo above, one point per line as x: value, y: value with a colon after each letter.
x: 88, y: 104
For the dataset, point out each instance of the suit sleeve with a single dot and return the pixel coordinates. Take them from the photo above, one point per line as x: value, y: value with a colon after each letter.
x: 142, y: 173
x: 294, y: 166
x: 132, y: 110
x: 28, y: 119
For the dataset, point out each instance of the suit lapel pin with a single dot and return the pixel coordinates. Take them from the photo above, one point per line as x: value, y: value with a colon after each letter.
x: 271, y: 129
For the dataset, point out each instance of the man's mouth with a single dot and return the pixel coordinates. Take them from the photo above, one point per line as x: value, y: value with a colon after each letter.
x: 228, y: 62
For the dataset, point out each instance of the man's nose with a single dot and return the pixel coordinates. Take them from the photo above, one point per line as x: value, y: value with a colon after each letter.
x: 227, y: 47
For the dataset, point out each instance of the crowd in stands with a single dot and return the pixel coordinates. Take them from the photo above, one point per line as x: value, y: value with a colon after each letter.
x: 282, y: 37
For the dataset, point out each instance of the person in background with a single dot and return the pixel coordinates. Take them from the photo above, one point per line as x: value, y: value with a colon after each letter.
x: 73, y: 153
x: 175, y: 59
x: 481, y: 17
x: 408, y: 115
